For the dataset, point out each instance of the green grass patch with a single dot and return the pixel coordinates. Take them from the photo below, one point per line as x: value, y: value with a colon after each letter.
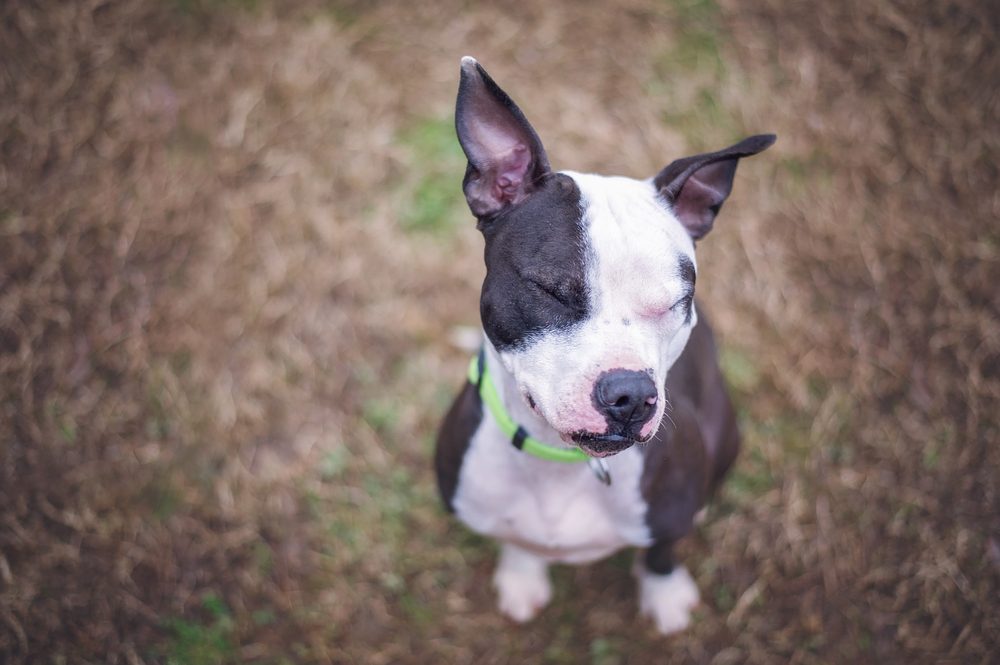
x: 694, y: 56
x: 346, y: 533
x: 604, y: 651
x: 434, y: 139
x: 157, y: 424
x: 791, y: 431
x: 801, y: 174
x: 345, y: 510
x: 696, y: 42
x: 739, y: 370
x: 202, y: 7
x: 263, y: 557
x: 725, y: 600
x: 434, y: 201
x: 166, y: 502
x: 696, y: 48
x: 163, y: 497
x: 695, y: 11
x: 561, y: 647
x: 333, y: 463
x: 421, y: 614
x: 264, y: 617
x: 943, y: 439
x: 64, y: 423
x: 206, y: 642
x: 474, y: 547
x: 381, y: 414
x: 703, y: 121
x: 750, y: 477
x: 433, y: 204
x: 394, y: 497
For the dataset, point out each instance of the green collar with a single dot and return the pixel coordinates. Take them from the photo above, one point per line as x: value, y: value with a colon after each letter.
x: 480, y: 377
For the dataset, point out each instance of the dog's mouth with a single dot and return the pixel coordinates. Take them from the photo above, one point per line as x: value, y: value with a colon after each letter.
x: 603, y: 445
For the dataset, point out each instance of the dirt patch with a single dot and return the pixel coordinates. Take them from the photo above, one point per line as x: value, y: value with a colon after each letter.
x: 234, y: 252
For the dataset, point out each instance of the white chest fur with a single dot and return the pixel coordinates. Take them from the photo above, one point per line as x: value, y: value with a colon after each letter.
x: 558, y: 510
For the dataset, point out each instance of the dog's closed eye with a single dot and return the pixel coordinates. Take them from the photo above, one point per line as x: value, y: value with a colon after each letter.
x: 684, y: 305
x: 561, y: 292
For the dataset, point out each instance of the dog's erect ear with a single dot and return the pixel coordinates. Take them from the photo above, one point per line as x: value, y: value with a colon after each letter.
x: 697, y: 186
x: 506, y: 158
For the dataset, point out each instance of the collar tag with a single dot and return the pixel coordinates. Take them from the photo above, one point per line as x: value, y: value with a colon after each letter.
x: 600, y: 469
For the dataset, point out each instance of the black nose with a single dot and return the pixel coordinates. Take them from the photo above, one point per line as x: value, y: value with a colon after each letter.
x: 626, y: 398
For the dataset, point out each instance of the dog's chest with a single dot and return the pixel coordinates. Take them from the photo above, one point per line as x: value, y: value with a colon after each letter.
x: 559, y: 511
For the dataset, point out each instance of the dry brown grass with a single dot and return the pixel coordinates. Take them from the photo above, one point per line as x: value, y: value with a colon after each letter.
x: 233, y: 253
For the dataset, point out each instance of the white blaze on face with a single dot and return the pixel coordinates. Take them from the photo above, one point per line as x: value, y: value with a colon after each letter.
x: 634, y: 247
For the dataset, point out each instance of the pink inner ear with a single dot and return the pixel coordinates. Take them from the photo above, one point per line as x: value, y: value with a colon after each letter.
x: 510, y: 169
x: 505, y: 155
x: 693, y: 206
x: 701, y: 196
x: 501, y: 154
x: 698, y: 192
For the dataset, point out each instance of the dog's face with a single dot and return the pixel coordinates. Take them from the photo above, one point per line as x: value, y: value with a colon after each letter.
x: 588, y: 299
x: 588, y: 296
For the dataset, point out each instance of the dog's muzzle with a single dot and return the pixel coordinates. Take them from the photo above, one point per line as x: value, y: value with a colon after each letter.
x: 627, y: 400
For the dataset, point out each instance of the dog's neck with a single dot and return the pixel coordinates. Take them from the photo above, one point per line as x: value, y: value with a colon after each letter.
x: 506, y: 386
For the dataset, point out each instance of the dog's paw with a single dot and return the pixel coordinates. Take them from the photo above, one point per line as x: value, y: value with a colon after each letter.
x: 522, y: 584
x: 668, y: 599
x: 521, y: 595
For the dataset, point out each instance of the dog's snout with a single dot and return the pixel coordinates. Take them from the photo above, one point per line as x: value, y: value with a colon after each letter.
x: 627, y: 399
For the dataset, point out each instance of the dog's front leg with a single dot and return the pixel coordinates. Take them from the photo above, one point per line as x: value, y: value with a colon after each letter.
x: 522, y: 583
x: 667, y: 594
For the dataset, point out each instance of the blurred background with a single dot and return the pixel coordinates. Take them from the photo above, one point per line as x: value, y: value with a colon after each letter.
x: 234, y: 255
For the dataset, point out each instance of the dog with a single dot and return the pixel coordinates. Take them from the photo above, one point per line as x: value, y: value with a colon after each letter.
x: 592, y: 344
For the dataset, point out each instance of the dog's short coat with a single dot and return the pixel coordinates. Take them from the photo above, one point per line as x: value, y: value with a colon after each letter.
x: 592, y: 340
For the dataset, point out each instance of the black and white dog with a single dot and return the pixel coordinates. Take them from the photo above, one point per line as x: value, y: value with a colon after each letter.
x: 592, y: 344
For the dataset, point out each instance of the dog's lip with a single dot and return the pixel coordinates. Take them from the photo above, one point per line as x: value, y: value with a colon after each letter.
x: 603, y: 445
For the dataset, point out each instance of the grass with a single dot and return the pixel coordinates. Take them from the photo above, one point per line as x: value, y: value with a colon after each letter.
x: 222, y: 364
x: 207, y: 642
x: 605, y: 651
x: 63, y: 422
x: 434, y: 202
x: 689, y: 75
x: 202, y: 8
x: 739, y: 370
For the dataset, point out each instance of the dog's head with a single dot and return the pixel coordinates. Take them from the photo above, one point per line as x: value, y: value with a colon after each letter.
x: 589, y: 288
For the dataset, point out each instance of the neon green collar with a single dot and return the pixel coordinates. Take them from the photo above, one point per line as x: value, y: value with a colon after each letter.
x: 479, y: 375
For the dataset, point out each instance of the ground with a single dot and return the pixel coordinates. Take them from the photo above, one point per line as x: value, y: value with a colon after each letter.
x: 235, y: 266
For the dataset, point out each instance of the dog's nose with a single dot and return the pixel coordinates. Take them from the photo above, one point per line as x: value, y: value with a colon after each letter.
x: 626, y: 398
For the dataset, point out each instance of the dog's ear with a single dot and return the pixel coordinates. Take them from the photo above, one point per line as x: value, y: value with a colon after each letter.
x: 506, y: 158
x: 697, y: 186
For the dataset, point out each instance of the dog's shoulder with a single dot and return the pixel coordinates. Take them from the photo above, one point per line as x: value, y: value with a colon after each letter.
x: 676, y: 473
x: 695, y: 444
x: 457, y: 430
